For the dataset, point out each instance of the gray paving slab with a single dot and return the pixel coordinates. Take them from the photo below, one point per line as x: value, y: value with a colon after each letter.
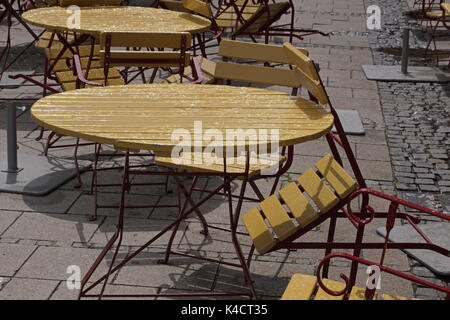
x: 52, y: 227
x: 7, y: 218
x: 436, y: 232
x: 13, y: 256
x: 28, y: 289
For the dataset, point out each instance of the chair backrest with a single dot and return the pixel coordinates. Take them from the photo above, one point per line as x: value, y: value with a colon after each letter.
x: 265, y: 15
x: 309, y: 78
x: 89, y: 3
x: 255, y: 73
x: 306, y: 72
x: 232, y: 12
x: 199, y: 7
x: 144, y: 49
x: 174, y: 5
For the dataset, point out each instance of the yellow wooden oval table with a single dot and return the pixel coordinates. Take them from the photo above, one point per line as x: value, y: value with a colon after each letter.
x: 146, y: 116
x: 94, y: 20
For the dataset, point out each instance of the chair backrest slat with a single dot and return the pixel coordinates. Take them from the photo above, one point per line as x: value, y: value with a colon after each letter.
x: 198, y: 7
x: 255, y: 51
x: 256, y: 74
x: 145, y: 39
x: 307, y: 73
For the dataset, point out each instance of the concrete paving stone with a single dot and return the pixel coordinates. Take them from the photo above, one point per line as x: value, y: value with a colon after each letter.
x: 136, y: 232
x: 38, y: 266
x: 13, y: 256
x: 7, y: 218
x: 58, y: 201
x: 180, y: 273
x: 51, y: 227
x: 376, y: 170
x: 85, y: 205
x: 28, y: 289
x: 372, y: 152
x: 267, y: 279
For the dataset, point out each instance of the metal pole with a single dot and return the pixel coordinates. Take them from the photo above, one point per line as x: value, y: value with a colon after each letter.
x: 11, y: 137
x: 405, y: 51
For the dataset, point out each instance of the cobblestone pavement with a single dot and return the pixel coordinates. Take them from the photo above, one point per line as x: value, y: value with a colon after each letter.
x: 404, y: 151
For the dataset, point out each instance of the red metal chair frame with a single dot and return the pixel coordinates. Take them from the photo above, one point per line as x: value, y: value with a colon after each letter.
x: 366, y: 214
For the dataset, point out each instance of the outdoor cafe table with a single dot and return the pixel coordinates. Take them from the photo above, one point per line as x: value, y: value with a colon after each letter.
x: 94, y: 20
x: 145, y: 116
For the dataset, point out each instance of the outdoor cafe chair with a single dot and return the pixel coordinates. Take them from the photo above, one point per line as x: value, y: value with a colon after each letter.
x: 111, y: 56
x: 309, y: 287
x: 325, y: 192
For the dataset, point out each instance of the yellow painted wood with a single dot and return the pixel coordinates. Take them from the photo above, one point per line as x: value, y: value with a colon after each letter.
x: 209, y: 162
x: 83, y: 51
x: 446, y: 7
x: 257, y: 74
x: 314, y: 87
x: 228, y: 17
x: 297, y: 203
x: 296, y: 56
x: 254, y: 51
x: 300, y: 287
x: 146, y: 39
x: 174, y: 5
x: 392, y: 297
x: 317, y: 190
x: 199, y: 7
x: 258, y: 230
x: 40, y: 3
x: 112, y: 82
x: 258, y: 24
x: 118, y: 19
x: 277, y: 217
x: 357, y: 293
x: 128, y: 114
x: 150, y: 58
x: 89, y: 3
x: 332, y: 285
x: 94, y: 74
x: 336, y: 176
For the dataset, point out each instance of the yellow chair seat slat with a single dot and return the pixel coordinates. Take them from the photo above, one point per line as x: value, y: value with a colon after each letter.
x: 446, y: 7
x: 300, y: 287
x: 278, y: 218
x: 317, y: 190
x: 258, y: 24
x: 434, y: 14
x: 61, y: 65
x: 94, y: 74
x: 332, y: 285
x: 358, y: 293
x: 258, y: 230
x: 83, y: 51
x: 72, y: 85
x: 336, y: 176
x: 299, y: 206
x: 392, y: 297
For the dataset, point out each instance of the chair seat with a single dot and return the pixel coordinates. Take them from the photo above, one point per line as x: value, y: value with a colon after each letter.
x: 434, y: 14
x: 234, y: 165
x: 314, y: 193
x: 306, y: 287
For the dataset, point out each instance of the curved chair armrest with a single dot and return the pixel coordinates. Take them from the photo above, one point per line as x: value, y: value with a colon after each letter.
x: 78, y: 71
x: 395, y: 202
x: 370, y: 292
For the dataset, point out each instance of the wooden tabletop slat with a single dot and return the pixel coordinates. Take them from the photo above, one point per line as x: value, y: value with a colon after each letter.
x: 154, y: 112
